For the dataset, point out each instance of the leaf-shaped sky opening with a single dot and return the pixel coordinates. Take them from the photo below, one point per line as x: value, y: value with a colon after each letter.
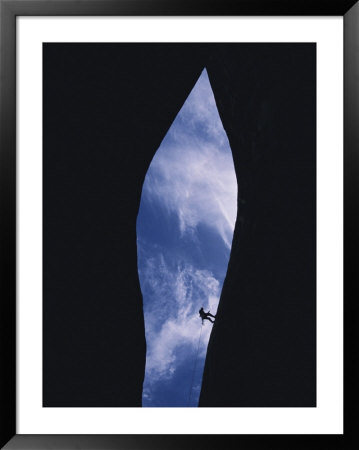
x: 184, y: 234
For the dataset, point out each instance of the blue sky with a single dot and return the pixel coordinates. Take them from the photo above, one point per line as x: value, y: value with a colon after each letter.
x: 184, y: 233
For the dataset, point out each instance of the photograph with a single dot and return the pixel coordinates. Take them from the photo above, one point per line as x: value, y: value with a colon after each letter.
x: 179, y: 224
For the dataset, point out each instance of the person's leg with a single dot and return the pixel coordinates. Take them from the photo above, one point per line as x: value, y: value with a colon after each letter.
x: 207, y: 318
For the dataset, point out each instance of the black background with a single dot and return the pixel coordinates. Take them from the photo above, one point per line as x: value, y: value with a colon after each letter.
x: 106, y: 109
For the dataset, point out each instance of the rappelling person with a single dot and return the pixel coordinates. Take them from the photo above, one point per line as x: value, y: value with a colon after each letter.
x: 205, y: 315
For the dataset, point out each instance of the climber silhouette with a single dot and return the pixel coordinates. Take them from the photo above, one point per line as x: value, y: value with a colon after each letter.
x: 205, y: 315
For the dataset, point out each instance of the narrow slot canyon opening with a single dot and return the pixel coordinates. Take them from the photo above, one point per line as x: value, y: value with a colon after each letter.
x: 184, y: 234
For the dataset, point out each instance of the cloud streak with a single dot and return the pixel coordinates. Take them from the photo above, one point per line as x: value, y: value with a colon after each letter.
x: 174, y: 323
x: 193, y: 173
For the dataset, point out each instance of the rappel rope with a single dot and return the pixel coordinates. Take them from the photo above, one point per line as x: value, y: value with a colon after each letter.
x: 194, y: 366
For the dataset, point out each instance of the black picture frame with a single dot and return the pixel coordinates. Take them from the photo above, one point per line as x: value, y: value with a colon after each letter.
x: 9, y: 10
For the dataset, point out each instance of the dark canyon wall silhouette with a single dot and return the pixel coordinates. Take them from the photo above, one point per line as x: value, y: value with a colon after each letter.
x: 106, y: 109
x: 262, y: 351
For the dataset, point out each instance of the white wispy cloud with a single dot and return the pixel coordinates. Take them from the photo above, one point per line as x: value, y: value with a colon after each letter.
x: 192, y: 173
x: 200, y: 110
x: 186, y: 289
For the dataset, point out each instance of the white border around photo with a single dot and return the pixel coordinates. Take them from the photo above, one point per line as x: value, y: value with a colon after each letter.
x: 327, y: 417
